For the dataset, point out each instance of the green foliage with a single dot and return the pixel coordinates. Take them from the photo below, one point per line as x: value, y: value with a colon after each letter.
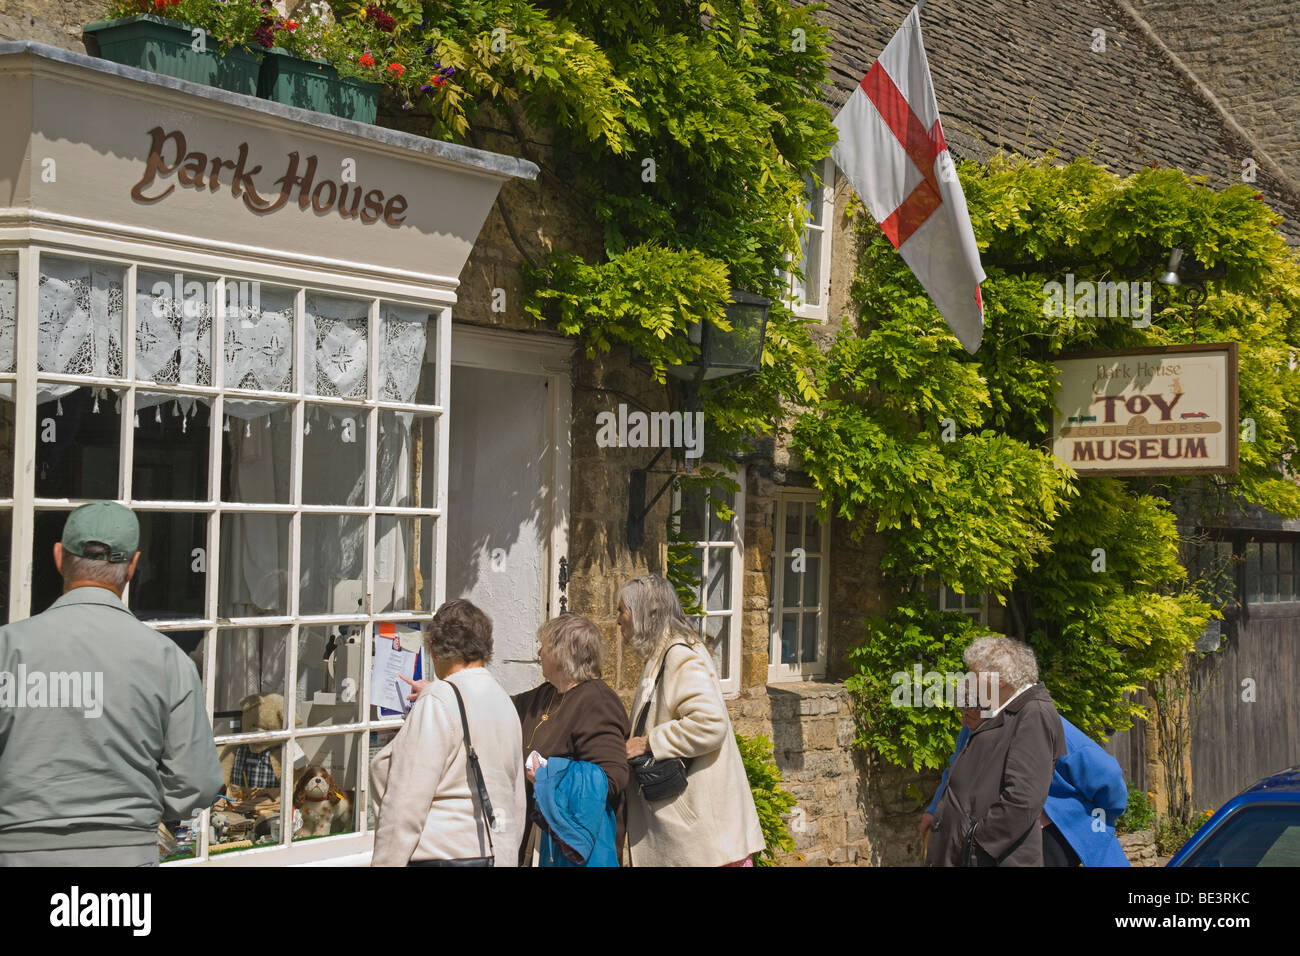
x: 1140, y: 813
x: 911, y: 633
x: 1172, y: 833
x: 769, y: 799
x: 225, y: 24
x: 991, y: 510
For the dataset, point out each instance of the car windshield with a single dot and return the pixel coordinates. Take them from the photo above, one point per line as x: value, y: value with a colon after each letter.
x: 1255, y: 835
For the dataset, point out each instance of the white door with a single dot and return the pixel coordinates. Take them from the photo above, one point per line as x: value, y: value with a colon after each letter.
x: 507, y: 488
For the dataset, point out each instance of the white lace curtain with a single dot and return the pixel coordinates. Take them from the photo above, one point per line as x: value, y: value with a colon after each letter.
x: 81, y: 314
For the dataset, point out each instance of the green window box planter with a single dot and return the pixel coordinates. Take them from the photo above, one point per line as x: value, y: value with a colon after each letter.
x: 164, y: 46
x: 316, y: 85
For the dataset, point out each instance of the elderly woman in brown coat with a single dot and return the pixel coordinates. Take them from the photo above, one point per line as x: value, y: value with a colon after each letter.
x: 992, y: 809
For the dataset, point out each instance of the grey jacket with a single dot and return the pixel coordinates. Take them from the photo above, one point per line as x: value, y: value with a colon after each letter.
x: 103, y: 730
x: 989, y: 812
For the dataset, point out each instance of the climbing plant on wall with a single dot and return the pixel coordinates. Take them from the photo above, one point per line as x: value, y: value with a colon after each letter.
x: 990, y: 510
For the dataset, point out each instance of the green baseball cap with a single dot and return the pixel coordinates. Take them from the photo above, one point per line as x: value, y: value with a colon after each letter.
x: 107, y: 523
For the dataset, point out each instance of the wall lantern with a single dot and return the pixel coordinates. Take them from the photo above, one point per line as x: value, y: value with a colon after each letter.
x: 721, y: 354
x: 1190, y: 276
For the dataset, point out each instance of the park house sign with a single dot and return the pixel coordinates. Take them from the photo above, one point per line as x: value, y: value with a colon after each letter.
x: 171, y: 163
x: 1148, y: 411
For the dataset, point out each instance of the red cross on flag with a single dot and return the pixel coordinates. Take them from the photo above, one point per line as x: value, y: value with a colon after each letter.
x: 892, y: 150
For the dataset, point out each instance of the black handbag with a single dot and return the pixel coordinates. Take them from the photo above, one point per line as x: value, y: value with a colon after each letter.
x: 659, y: 779
x: 475, y: 773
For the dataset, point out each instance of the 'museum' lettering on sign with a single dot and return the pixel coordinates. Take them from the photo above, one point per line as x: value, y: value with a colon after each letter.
x: 169, y: 154
x: 1149, y: 411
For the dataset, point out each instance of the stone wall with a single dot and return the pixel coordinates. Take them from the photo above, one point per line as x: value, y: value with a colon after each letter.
x: 56, y: 22
x: 1140, y: 848
x: 849, y: 811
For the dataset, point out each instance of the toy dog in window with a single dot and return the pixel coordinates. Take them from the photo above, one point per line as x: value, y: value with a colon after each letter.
x: 325, y: 808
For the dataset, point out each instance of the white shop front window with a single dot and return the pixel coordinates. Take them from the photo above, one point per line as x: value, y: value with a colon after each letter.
x: 288, y: 485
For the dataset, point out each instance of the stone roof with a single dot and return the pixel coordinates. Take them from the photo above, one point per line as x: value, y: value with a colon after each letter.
x: 1022, y: 76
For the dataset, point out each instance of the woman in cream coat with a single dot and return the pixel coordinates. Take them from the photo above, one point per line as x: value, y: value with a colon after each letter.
x: 713, y: 822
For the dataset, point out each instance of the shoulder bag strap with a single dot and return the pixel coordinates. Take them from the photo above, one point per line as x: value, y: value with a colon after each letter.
x: 640, y: 723
x: 475, y: 771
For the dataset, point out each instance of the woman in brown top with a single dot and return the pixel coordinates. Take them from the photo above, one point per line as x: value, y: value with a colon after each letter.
x: 574, y: 714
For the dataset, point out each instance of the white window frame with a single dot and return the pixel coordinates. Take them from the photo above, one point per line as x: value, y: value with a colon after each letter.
x: 825, y: 195
x: 778, y: 672
x: 731, y: 550
x: 974, y: 606
x: 132, y: 257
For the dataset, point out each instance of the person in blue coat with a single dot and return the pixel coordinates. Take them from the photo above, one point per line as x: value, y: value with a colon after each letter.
x: 577, y: 824
x: 1084, y: 781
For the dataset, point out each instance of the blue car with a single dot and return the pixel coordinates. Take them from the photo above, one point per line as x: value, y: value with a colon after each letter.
x: 1258, y: 827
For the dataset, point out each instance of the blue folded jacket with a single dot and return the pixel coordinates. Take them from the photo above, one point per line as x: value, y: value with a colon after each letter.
x: 578, y: 827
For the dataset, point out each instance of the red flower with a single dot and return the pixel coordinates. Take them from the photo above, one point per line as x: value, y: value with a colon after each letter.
x: 366, y: 60
x: 396, y: 69
x: 291, y: 25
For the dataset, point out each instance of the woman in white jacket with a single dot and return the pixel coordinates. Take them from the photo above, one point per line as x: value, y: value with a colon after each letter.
x: 713, y: 821
x: 428, y: 810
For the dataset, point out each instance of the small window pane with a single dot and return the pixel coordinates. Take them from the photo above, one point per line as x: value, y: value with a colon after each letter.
x: 7, y: 425
x: 812, y: 583
x: 408, y: 351
x: 718, y: 630
x: 80, y: 317
x: 336, y: 355
x: 812, y: 535
x: 719, y: 583
x: 173, y: 327
x: 404, y: 550
x: 250, y: 665
x: 172, y: 442
x: 334, y: 456
x: 259, y: 337
x: 254, y: 565
x: 6, y: 539
x: 793, y: 520
x: 170, y: 582
x: 692, y: 513
x: 407, y: 460
x: 792, y: 588
x: 249, y: 812
x: 1252, y: 573
x: 333, y: 573
x: 257, y: 447
x: 78, y: 442
x: 789, y: 638
x: 1268, y: 572
x: 720, y: 530
x: 8, y: 310
x: 329, y: 675
x: 326, y: 786
x: 809, y: 638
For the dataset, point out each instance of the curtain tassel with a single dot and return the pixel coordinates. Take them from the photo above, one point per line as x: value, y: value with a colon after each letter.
x: 157, y: 414
x: 59, y: 407
x: 248, y: 429
x: 226, y: 426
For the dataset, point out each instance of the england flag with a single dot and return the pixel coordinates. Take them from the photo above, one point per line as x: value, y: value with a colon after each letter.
x: 892, y: 150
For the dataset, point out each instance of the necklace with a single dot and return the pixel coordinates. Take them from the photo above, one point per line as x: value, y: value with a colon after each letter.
x: 549, y: 714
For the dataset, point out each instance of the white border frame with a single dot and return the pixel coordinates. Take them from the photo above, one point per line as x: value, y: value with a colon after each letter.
x: 821, y: 311
x: 731, y: 685
x: 776, y: 671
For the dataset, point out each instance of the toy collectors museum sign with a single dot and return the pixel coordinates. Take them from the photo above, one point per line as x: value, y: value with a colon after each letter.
x: 1148, y: 411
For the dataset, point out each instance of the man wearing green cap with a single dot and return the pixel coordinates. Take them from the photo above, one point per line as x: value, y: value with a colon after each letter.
x: 103, y: 730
